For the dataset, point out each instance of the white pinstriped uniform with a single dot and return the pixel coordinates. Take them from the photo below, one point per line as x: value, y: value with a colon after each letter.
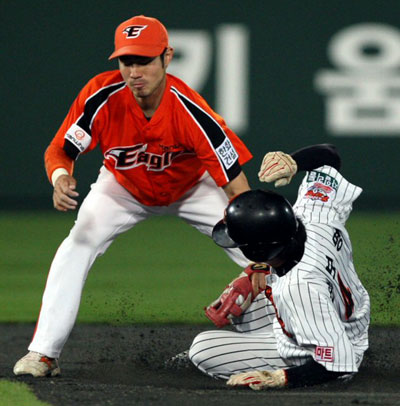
x: 323, y: 309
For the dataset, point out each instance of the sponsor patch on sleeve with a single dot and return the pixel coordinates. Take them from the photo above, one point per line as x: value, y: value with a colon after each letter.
x: 325, y: 354
x: 227, y: 153
x: 323, y: 178
x: 321, y: 186
x: 318, y: 191
x: 78, y: 137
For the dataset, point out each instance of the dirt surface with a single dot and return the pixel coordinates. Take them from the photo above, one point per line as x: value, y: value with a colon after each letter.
x: 109, y: 365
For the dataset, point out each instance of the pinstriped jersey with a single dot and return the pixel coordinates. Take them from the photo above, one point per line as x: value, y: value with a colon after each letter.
x: 323, y: 310
x: 325, y: 197
x: 156, y: 160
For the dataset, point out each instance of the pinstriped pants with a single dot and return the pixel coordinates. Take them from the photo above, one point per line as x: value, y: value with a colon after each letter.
x: 221, y: 353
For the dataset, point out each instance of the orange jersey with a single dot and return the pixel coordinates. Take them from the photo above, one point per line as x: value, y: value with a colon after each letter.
x: 156, y: 160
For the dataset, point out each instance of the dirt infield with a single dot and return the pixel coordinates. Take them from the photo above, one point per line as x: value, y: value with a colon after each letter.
x: 109, y: 365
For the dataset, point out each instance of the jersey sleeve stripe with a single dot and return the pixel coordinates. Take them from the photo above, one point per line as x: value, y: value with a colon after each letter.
x: 214, y: 134
x: 94, y: 103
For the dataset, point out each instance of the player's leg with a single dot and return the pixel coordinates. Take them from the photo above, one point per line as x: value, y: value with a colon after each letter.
x: 221, y: 353
x: 107, y: 211
x: 202, y: 207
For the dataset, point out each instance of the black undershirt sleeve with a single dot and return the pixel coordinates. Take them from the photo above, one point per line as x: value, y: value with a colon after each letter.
x: 309, y: 374
x: 314, y: 156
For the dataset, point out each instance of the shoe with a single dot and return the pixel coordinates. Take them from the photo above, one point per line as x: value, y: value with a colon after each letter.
x: 36, y: 364
x: 179, y: 361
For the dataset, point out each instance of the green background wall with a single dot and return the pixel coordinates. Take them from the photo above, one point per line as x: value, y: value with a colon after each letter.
x: 50, y: 49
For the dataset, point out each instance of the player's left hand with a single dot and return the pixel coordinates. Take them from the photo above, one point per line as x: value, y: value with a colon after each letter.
x: 277, y: 167
x: 256, y: 273
x: 258, y: 380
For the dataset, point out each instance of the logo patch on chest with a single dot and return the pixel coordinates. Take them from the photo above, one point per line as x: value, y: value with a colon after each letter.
x: 136, y: 155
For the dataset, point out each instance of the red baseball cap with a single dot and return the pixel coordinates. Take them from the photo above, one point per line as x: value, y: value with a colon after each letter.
x: 140, y: 35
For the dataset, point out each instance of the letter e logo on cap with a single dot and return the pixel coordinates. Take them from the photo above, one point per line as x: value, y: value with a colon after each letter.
x: 133, y: 31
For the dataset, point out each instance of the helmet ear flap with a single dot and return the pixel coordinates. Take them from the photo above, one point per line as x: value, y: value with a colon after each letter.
x: 261, y: 252
x: 295, y: 247
x: 221, y: 237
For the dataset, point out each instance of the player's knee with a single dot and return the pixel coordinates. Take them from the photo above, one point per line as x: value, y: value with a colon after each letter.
x: 87, y: 232
x: 205, y: 355
x: 200, y: 352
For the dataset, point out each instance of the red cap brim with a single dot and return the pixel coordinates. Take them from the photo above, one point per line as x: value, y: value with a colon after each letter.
x: 140, y: 50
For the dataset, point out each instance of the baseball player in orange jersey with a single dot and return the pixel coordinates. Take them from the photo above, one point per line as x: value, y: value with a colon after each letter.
x: 308, y: 322
x: 165, y: 152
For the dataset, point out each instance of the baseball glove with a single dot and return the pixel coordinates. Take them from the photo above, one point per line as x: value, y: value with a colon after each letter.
x: 237, y: 296
x: 233, y: 301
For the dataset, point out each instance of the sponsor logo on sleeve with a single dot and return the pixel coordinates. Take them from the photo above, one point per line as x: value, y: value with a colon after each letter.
x: 78, y: 137
x: 227, y: 153
x: 323, y: 187
x: 318, y: 191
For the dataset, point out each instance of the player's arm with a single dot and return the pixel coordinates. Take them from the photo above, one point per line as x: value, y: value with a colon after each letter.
x: 280, y: 167
x: 236, y: 186
x: 311, y: 373
x: 59, y: 164
x: 314, y: 156
x: 61, y: 155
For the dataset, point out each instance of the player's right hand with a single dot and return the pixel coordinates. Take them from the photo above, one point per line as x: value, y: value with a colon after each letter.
x: 277, y: 167
x: 64, y: 193
x: 258, y: 380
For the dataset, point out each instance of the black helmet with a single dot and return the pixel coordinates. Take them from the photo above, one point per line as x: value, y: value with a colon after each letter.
x: 261, y: 223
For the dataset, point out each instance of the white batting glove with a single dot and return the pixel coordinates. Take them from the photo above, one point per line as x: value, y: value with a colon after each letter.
x: 258, y: 380
x: 277, y: 167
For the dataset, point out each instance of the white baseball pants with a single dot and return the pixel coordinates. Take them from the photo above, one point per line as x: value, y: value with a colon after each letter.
x: 107, y: 211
